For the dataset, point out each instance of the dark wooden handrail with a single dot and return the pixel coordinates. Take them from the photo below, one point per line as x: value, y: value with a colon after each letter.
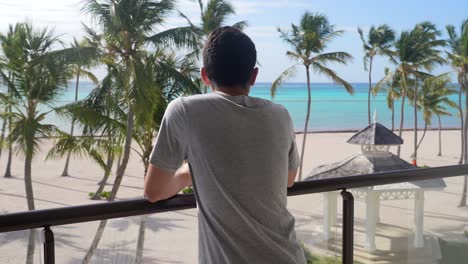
x: 139, y: 206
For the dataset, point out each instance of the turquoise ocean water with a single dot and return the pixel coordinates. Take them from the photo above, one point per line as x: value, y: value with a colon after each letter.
x: 332, y: 107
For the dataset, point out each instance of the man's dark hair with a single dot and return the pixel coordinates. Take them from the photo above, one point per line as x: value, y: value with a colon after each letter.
x: 229, y: 56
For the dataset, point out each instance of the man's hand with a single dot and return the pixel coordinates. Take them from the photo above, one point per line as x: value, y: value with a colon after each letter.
x: 161, y: 184
x: 291, y: 177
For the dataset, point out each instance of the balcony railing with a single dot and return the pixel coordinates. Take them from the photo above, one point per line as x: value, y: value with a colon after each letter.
x: 48, y: 218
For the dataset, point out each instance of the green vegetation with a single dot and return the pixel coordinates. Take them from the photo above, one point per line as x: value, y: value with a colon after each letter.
x: 103, y: 195
x: 187, y: 190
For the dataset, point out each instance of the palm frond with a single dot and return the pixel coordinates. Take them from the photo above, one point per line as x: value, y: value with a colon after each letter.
x: 319, y: 68
x: 179, y: 37
x: 284, y: 76
x: 241, y: 25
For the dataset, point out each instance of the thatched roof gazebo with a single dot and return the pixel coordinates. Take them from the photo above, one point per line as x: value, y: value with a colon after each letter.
x: 375, y: 141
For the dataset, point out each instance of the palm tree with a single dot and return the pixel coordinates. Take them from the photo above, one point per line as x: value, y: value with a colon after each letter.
x: 433, y: 101
x: 414, y: 50
x: 458, y: 57
x: 393, y: 89
x: 78, y: 70
x: 127, y: 27
x: 11, y: 45
x: 459, y: 60
x: 38, y: 78
x: 379, y: 41
x: 309, y: 41
x: 215, y: 15
x: 99, y: 114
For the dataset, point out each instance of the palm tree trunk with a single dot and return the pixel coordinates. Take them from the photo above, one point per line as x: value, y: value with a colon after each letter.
x: 369, y: 92
x: 422, y: 137
x: 463, y: 197
x: 415, y: 158
x: 103, y: 182
x: 95, y: 243
x: 465, y: 133
x: 67, y: 162
x: 402, y: 116
x: 115, y: 188
x: 141, y: 240
x: 9, y: 161
x: 460, y: 109
x: 2, y: 136
x: 30, y: 202
x: 440, y: 137
x: 28, y: 182
x: 119, y: 162
x: 126, y: 155
x: 10, y: 147
x: 31, y: 246
x: 393, y: 116
x: 309, y: 100
x: 144, y: 218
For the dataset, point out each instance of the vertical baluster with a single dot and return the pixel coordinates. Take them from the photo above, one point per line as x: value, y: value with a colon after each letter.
x: 49, y: 250
x: 348, y: 226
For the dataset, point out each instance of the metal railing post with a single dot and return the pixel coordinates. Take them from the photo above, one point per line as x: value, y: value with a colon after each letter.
x: 348, y: 227
x: 49, y: 248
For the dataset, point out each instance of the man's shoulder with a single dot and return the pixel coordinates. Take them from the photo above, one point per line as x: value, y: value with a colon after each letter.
x: 196, y: 98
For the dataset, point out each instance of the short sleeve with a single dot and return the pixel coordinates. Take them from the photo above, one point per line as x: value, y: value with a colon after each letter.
x: 170, y: 148
x: 294, y: 158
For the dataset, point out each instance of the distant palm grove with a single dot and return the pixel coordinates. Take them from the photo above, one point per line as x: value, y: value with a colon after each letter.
x: 147, y: 69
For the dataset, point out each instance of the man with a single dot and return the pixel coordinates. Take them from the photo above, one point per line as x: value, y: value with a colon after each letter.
x: 242, y: 154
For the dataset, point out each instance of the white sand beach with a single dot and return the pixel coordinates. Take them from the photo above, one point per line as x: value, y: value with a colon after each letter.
x: 172, y: 237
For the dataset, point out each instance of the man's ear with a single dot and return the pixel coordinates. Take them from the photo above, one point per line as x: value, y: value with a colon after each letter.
x: 253, y: 76
x: 204, y: 77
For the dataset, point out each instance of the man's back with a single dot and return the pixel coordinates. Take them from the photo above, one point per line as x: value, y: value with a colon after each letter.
x: 242, y: 155
x: 239, y: 150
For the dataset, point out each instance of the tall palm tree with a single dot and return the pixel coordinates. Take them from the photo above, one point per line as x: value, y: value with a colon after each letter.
x: 78, y: 70
x: 10, y: 60
x: 433, y: 101
x: 458, y: 57
x: 38, y: 79
x: 127, y: 27
x: 415, y: 50
x: 379, y: 42
x: 309, y: 42
x: 170, y: 87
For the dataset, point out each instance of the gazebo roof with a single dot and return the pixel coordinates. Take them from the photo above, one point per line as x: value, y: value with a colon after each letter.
x: 366, y: 164
x: 375, y: 134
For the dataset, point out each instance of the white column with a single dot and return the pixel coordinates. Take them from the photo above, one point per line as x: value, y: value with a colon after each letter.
x: 377, y: 207
x: 371, y: 220
x: 419, y: 219
x: 329, y: 213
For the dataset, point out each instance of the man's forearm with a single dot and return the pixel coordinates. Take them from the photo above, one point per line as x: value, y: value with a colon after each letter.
x: 160, y: 185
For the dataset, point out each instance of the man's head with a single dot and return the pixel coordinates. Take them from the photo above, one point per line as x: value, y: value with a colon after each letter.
x: 229, y: 59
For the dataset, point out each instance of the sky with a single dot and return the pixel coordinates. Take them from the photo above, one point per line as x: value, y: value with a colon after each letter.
x: 263, y: 17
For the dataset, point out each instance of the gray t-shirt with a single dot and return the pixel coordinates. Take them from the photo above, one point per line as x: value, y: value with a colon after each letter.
x: 240, y: 149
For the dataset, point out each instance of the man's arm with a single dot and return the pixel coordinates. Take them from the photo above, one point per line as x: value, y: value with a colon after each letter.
x: 161, y: 184
x: 291, y: 177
